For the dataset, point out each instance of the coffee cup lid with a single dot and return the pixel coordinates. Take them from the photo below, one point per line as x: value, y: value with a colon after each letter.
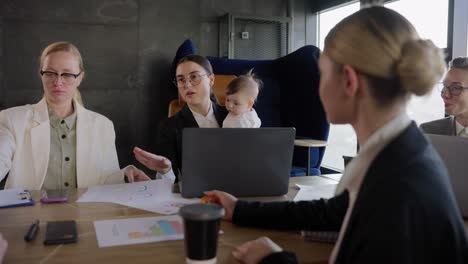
x: 202, y: 211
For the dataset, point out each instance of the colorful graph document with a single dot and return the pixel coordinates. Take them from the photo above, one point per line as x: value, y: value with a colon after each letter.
x: 154, y: 196
x: 138, y: 230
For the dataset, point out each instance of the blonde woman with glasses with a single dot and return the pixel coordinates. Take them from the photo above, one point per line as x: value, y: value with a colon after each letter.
x: 57, y: 143
x: 194, y: 80
x: 455, y: 95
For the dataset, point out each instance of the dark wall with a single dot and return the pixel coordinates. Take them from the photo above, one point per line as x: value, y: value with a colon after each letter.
x: 127, y: 46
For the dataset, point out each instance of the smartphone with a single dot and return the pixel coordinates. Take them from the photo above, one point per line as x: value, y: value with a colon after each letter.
x: 61, y: 232
x: 54, y: 196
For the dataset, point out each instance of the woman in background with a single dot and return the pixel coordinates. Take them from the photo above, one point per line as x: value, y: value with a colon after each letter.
x: 57, y: 143
x: 455, y: 99
x: 194, y: 80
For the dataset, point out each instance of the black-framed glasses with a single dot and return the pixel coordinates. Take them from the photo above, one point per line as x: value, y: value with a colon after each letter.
x: 67, y: 78
x: 193, y: 78
x: 454, y: 89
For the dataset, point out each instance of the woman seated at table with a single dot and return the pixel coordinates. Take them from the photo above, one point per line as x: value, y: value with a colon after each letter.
x: 394, y: 203
x: 194, y: 80
x: 455, y: 96
x: 57, y: 143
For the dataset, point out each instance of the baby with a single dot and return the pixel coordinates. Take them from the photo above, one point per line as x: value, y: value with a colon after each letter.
x: 241, y: 94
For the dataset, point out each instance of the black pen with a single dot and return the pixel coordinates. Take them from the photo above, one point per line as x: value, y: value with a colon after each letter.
x: 32, y: 231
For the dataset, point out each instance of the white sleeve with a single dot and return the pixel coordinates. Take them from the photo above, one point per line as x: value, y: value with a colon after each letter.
x: 249, y: 120
x: 7, y: 145
x: 111, y: 172
x: 237, y: 121
x: 168, y: 175
x: 252, y: 119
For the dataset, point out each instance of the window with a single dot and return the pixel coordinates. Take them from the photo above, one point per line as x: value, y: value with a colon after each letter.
x: 430, y: 23
x: 342, y: 139
x: 329, y: 18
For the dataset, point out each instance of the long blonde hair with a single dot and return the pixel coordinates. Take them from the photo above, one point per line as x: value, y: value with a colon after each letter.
x: 66, y: 47
x: 384, y: 46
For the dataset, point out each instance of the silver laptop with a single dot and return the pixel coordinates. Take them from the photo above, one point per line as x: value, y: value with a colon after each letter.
x: 245, y: 162
x: 454, y: 153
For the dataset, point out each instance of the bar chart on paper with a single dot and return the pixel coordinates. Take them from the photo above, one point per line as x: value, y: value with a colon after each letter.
x: 138, y: 230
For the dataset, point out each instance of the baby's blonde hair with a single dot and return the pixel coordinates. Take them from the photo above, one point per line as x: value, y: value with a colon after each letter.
x: 247, y: 82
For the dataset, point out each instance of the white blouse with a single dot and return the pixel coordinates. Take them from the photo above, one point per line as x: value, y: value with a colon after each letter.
x: 244, y: 120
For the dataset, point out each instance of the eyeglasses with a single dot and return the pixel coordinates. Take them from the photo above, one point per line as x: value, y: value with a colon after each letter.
x: 193, y: 78
x: 67, y: 78
x: 454, y: 90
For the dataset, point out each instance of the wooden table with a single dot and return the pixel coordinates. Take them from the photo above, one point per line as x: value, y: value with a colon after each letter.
x: 14, y: 223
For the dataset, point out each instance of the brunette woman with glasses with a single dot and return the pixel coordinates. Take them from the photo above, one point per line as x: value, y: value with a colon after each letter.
x: 455, y: 95
x: 57, y: 143
x: 194, y: 80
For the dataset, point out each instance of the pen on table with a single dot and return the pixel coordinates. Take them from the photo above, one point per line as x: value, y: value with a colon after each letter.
x: 32, y: 231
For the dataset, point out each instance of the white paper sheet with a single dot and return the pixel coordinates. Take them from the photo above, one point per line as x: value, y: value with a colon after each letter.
x: 307, y: 193
x: 154, y: 196
x: 138, y: 230
x: 15, y: 197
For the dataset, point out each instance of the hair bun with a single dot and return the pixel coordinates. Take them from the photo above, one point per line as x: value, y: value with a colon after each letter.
x: 420, y: 67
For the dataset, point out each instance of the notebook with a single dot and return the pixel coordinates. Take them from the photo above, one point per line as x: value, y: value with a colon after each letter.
x: 454, y: 153
x: 320, y: 236
x: 245, y: 162
x: 14, y: 198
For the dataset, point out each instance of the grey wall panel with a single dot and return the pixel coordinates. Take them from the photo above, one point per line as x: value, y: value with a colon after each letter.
x: 128, y: 47
x: 109, y: 53
x: 72, y: 11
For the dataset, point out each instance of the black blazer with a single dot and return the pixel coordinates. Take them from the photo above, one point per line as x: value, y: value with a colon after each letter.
x: 444, y: 126
x: 405, y: 211
x: 169, y: 139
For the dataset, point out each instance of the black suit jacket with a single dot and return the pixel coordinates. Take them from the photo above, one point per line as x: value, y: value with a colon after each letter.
x: 405, y: 211
x: 169, y: 139
x: 444, y: 126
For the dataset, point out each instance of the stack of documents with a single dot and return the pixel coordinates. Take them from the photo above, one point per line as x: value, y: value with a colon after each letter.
x: 15, y: 197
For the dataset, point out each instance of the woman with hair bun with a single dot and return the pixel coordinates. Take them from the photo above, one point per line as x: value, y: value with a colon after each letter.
x: 394, y: 203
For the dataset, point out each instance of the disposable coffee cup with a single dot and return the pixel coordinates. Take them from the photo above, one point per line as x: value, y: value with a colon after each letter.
x: 201, y: 228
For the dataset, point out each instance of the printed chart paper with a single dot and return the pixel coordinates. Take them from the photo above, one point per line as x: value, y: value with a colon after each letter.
x: 154, y: 196
x: 138, y: 230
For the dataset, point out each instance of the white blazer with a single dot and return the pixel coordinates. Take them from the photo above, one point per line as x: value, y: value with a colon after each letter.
x: 25, y: 147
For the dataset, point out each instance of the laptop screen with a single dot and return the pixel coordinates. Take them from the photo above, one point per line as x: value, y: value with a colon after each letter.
x: 245, y: 162
x: 454, y: 153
